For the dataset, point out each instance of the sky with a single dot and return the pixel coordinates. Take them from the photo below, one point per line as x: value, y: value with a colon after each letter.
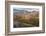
x: 25, y: 9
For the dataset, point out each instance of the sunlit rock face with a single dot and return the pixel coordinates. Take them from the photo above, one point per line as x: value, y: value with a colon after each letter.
x: 27, y: 15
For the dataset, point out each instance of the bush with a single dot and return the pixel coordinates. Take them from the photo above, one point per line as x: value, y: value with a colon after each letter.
x: 34, y: 21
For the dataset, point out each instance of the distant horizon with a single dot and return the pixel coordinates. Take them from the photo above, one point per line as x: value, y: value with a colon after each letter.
x: 25, y: 9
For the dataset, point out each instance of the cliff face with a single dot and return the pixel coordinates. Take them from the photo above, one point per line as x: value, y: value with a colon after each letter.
x: 27, y: 15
